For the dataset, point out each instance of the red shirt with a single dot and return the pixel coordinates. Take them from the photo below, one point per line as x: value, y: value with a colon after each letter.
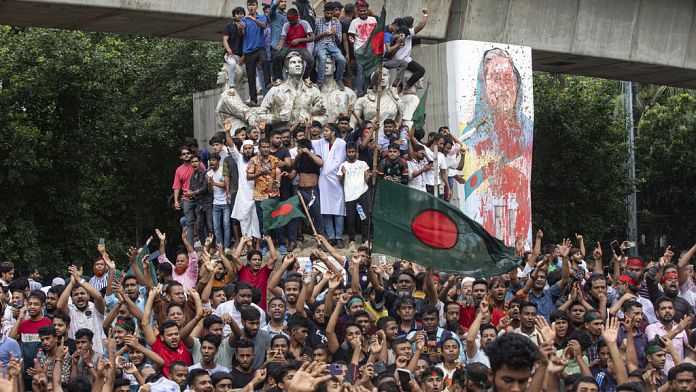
x: 258, y: 280
x: 467, y: 314
x: 169, y: 356
x: 298, y: 31
x: 182, y: 178
x: 29, y: 330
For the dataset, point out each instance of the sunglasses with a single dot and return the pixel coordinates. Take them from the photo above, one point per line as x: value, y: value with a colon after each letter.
x: 186, y: 153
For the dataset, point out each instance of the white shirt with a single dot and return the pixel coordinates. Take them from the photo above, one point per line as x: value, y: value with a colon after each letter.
x: 404, y: 53
x: 217, y: 368
x: 416, y: 182
x: 219, y: 194
x: 429, y: 176
x: 362, y: 30
x: 354, y: 184
x: 678, y: 341
x: 89, y: 318
x: 230, y: 308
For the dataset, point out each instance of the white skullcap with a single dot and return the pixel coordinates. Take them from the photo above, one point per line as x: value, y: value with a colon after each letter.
x: 247, y: 143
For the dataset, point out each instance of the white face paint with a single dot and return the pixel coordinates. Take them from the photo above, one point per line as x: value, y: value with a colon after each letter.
x: 330, y: 67
x: 385, y: 77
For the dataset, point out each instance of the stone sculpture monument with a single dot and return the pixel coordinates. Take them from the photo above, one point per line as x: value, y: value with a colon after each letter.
x: 391, y: 105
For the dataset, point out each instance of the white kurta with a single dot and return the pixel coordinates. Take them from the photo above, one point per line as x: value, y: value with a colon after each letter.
x: 330, y: 188
x: 244, y: 209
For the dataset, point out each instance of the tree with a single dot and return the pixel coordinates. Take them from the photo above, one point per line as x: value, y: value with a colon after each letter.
x: 91, y: 126
x: 579, y: 167
x: 666, y: 157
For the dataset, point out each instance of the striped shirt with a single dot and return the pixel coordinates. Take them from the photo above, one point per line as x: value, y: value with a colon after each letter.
x: 324, y: 27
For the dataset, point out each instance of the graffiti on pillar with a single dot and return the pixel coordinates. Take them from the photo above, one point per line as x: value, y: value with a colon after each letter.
x: 494, y: 117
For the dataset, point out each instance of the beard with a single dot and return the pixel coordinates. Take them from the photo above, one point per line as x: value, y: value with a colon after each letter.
x: 452, y: 326
x: 247, y: 158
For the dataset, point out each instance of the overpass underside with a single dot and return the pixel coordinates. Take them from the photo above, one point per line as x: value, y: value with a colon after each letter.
x: 644, y: 41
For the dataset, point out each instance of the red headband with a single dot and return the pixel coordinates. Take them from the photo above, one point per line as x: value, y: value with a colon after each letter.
x: 669, y: 275
x: 633, y: 262
x: 627, y: 279
x: 293, y: 18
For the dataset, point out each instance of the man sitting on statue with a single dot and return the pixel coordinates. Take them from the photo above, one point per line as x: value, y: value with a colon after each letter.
x: 328, y: 37
x: 295, y: 36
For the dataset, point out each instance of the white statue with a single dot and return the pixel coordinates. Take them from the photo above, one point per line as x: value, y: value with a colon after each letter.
x: 292, y: 99
x: 231, y: 106
x: 240, y: 82
x: 337, y: 100
x: 410, y: 102
x: 391, y: 105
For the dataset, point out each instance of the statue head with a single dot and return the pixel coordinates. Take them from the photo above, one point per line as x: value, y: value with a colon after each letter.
x: 330, y: 67
x: 294, y: 64
x: 385, y: 79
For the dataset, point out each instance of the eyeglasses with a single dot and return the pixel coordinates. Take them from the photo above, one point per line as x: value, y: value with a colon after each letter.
x: 186, y: 153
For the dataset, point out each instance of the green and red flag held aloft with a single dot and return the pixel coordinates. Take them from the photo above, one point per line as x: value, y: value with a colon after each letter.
x: 416, y: 226
x: 144, y: 252
x: 371, y: 54
x: 419, y: 115
x: 278, y: 213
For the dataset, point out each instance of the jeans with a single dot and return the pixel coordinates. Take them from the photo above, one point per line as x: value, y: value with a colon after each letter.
x: 312, y: 200
x: 400, y: 66
x: 325, y: 50
x: 333, y: 224
x: 359, y: 84
x: 250, y: 61
x: 231, y: 69
x: 352, y: 212
x: 221, y: 221
x: 189, y: 209
x: 417, y: 71
x: 204, y: 219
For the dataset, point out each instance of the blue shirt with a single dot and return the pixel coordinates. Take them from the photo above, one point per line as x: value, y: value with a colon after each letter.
x: 253, y: 34
x: 8, y: 346
x: 546, y: 302
x: 278, y: 19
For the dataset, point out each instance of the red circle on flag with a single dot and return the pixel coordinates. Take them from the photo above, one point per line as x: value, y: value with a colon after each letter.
x: 284, y: 209
x: 435, y: 229
x: 473, y: 181
x: 378, y: 43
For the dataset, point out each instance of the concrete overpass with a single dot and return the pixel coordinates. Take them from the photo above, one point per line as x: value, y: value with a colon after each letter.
x: 640, y: 40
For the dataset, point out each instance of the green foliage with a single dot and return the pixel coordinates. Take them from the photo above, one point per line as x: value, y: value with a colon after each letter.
x: 90, y: 127
x: 666, y: 156
x: 579, y: 164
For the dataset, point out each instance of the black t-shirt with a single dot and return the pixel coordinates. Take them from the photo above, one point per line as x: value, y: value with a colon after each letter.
x: 285, y: 182
x: 234, y: 39
x: 305, y: 164
x: 240, y: 379
x: 345, y: 25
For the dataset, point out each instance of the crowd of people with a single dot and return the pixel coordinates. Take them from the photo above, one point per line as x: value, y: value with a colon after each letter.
x: 240, y: 308
x: 260, y: 41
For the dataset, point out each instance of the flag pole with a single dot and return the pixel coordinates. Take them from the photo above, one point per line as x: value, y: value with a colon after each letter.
x: 376, y: 152
x: 306, y: 210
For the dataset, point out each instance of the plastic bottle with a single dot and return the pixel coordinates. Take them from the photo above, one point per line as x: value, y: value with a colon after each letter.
x: 361, y: 212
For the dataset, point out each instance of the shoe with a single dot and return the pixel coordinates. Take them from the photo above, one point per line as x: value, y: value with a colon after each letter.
x: 252, y: 104
x: 264, y: 251
x: 340, y: 85
x: 332, y: 242
x: 292, y: 246
x: 340, y: 244
x: 351, y: 247
x: 283, y: 250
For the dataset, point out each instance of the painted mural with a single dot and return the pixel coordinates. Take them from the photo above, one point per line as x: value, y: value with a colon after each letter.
x: 491, y: 107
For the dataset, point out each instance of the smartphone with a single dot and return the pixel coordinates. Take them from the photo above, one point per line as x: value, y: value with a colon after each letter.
x: 335, y: 369
x: 101, y: 241
x: 405, y: 378
x: 606, y: 271
x: 379, y: 367
x: 382, y: 260
x: 616, y: 248
x: 20, y: 303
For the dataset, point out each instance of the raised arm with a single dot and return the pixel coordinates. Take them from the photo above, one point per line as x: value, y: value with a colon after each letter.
x: 111, y: 315
x: 275, y: 277
x: 271, y: 251
x: 565, y: 271
x: 148, y: 332
x: 332, y: 339
x: 132, y: 259
x: 62, y: 304
x: 236, y: 256
x: 424, y: 20
x: 472, y: 333
x: 610, y: 334
x: 430, y: 292
x: 683, y: 262
x: 581, y: 244
x: 329, y: 248
x: 229, y: 267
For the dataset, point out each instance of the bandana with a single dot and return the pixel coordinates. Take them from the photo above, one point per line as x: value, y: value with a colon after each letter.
x: 247, y: 143
x: 669, y: 275
x: 100, y: 274
x: 361, y: 4
x: 352, y: 301
x: 592, y: 316
x: 292, y: 18
x: 633, y: 262
x: 627, y: 279
x: 652, y: 349
x: 180, y: 271
x: 122, y: 324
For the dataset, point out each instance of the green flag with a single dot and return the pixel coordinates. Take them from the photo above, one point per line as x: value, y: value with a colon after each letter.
x: 139, y: 263
x: 419, y: 115
x: 371, y: 54
x: 416, y: 226
x: 278, y: 213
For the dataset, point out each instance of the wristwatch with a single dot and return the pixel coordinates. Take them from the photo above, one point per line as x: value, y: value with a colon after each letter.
x: 89, y: 365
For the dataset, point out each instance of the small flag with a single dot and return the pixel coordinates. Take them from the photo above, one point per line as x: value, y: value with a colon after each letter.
x: 139, y: 262
x: 371, y: 54
x: 419, y: 115
x: 278, y: 213
x: 416, y: 226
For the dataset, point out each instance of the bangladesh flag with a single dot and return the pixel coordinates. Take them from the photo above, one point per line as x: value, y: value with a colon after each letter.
x: 278, y: 213
x: 419, y: 115
x: 416, y: 226
x: 139, y: 262
x: 371, y: 54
